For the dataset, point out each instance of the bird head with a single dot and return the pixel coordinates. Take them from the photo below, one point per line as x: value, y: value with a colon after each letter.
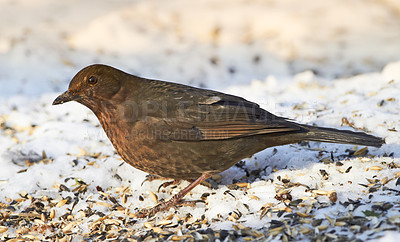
x: 92, y: 85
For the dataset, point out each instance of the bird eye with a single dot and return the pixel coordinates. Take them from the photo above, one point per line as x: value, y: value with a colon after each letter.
x: 92, y: 80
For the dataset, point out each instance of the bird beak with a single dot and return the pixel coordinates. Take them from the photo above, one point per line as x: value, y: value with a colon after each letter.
x: 65, y: 97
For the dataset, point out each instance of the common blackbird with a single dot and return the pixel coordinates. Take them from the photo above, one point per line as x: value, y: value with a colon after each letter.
x: 182, y: 132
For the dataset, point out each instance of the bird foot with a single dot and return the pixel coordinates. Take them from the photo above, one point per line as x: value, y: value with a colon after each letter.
x: 167, y: 184
x: 158, y: 208
x: 165, y: 206
x: 175, y: 200
x: 190, y: 203
x: 150, y: 178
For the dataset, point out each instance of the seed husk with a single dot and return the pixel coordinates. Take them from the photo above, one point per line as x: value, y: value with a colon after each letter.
x: 275, y: 231
x: 104, y: 204
x: 322, y: 227
x: 176, y: 237
x: 148, y: 225
x: 61, y: 203
x: 320, y: 192
x: 52, y: 214
x: 243, y: 184
x: 254, y: 197
x: 375, y: 168
x: 303, y: 215
x: 68, y: 227
x: 153, y: 196
x: 304, y: 230
x: 340, y: 223
x: 3, y: 229
x: 164, y: 222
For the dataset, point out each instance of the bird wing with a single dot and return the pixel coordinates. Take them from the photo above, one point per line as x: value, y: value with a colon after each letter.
x: 219, y: 117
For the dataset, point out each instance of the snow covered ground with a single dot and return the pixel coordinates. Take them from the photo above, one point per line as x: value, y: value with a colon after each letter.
x: 333, y: 63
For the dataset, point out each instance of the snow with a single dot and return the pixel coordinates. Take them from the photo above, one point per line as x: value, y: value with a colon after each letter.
x: 314, y: 62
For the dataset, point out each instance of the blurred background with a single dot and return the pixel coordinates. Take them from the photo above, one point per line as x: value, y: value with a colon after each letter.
x: 212, y: 44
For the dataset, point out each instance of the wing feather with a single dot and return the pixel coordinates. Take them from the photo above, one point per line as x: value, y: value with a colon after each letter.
x: 194, y: 114
x: 224, y: 120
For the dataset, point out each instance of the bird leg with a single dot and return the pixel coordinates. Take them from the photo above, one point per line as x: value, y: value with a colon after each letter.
x: 175, y: 200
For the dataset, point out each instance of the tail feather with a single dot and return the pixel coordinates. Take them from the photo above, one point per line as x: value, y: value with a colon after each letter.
x: 341, y: 136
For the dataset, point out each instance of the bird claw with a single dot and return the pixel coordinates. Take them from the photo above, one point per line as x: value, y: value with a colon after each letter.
x: 167, y: 184
x: 165, y: 206
x: 190, y: 203
x: 154, y: 210
x: 142, y: 213
x: 150, y: 178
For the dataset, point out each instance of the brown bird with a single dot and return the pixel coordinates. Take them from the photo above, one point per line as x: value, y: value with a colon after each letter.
x: 181, y: 132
